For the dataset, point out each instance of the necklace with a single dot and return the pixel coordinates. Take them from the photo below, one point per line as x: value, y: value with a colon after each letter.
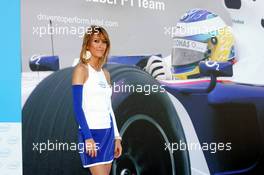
x: 95, y: 68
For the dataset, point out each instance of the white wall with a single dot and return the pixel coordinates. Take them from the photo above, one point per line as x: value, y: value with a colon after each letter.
x: 137, y: 30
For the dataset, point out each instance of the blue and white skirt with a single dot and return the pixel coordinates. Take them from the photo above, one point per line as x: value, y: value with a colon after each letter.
x: 105, y: 143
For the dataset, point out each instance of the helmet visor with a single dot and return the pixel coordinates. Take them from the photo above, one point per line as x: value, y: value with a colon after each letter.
x: 187, y: 51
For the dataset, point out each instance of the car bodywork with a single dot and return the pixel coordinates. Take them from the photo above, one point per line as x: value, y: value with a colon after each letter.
x: 227, y: 122
x: 231, y: 113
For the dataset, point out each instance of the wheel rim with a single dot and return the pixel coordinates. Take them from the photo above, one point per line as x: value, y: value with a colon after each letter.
x: 143, y: 148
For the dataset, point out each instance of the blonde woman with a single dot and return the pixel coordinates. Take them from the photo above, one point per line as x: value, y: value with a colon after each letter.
x: 91, y: 89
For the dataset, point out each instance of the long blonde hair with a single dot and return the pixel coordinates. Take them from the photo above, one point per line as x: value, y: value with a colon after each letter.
x: 87, y: 39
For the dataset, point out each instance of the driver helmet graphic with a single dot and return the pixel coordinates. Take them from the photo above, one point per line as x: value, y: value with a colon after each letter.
x: 200, y: 35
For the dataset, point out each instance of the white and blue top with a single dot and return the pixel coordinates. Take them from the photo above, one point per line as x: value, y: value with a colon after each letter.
x: 97, y: 100
x: 92, y: 103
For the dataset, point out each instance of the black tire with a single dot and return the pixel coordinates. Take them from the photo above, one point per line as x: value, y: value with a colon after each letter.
x: 48, y: 115
x: 146, y: 123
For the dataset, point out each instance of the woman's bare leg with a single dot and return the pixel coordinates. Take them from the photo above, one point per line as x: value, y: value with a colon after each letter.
x: 108, y: 167
x: 99, y: 170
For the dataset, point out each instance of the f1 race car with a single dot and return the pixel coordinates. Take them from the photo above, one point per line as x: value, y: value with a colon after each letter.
x: 172, y: 121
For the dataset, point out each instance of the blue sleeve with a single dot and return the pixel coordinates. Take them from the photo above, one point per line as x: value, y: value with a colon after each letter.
x: 77, y: 91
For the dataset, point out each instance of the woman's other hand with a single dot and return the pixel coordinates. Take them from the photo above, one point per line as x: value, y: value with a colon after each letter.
x: 91, y: 148
x: 118, y: 148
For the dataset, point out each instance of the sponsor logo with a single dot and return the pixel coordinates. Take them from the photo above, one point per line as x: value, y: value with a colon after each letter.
x: 14, y: 165
x: 237, y: 21
x: 4, y: 153
x: 102, y: 84
x: 12, y: 140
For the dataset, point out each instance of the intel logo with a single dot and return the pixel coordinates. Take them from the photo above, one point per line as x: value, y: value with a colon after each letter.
x: 12, y: 140
x: 1, y: 165
x: 5, y: 127
x: 4, y: 153
x: 14, y: 165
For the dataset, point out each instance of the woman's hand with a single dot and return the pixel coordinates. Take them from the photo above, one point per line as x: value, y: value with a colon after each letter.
x: 91, y: 148
x: 118, y: 148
